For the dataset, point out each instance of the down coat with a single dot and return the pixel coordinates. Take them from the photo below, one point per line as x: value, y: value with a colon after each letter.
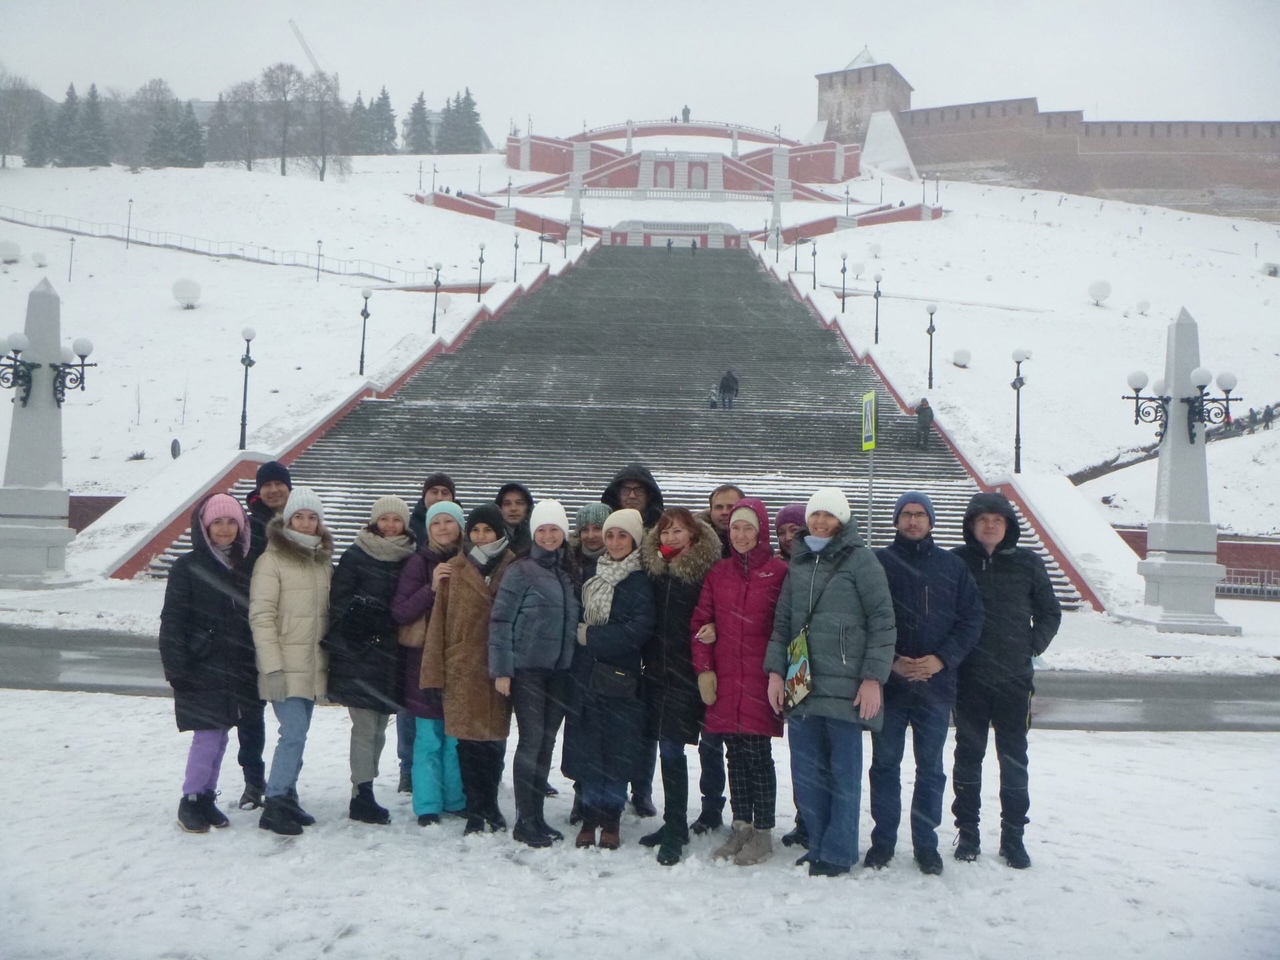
x: 1022, y: 612
x: 739, y: 596
x: 415, y: 598
x: 604, y: 735
x: 456, y: 657
x: 673, y: 705
x: 364, y: 657
x: 289, y: 611
x: 535, y: 615
x: 852, y: 634
x: 206, y: 646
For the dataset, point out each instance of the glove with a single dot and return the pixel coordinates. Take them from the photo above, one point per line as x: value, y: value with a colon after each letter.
x: 707, y: 686
x: 274, y: 687
x: 582, y: 634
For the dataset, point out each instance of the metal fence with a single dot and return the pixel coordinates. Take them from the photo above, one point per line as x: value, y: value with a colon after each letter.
x: 1251, y: 584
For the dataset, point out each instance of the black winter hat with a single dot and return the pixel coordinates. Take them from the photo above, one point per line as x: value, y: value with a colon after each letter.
x: 440, y: 479
x: 486, y: 513
x: 274, y: 470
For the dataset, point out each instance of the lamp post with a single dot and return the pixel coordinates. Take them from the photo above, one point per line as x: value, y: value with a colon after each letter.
x: 1202, y: 408
x: 435, y: 304
x: 931, y: 309
x: 319, y: 243
x: 515, y: 266
x: 844, y: 268
x: 813, y: 252
x: 846, y: 199
x: 480, y: 275
x: 882, y: 189
x: 68, y: 374
x: 878, y: 278
x: 924, y: 187
x: 434, y: 171
x: 1019, y: 357
x: 128, y: 229
x: 364, y: 322
x: 15, y: 373
x: 508, y: 191
x: 777, y: 243
x: 247, y: 361
x: 419, y: 176
x: 71, y: 258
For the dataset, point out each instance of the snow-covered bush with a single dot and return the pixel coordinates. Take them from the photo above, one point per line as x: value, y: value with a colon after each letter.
x: 961, y: 358
x: 186, y: 292
x: 1099, y: 290
x: 9, y: 251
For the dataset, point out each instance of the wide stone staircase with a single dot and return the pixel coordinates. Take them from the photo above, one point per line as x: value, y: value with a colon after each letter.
x: 614, y: 363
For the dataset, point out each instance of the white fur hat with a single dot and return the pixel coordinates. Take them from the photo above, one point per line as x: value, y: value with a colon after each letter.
x: 831, y: 500
x: 549, y: 512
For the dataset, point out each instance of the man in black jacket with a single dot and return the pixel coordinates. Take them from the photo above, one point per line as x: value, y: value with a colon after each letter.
x: 995, y: 681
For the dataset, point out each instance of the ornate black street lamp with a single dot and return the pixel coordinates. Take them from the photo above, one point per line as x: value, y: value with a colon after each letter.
x: 480, y: 275
x: 364, y: 322
x: 1020, y: 356
x: 814, y: 253
x: 318, y: 245
x: 1205, y: 409
x: 15, y: 373
x: 1148, y: 409
x: 69, y: 375
x: 435, y: 304
x: 844, y: 268
x: 878, y: 278
x: 247, y: 361
x: 931, y: 309
x: 515, y: 266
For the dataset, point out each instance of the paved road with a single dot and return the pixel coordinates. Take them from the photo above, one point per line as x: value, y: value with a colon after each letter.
x: 129, y: 664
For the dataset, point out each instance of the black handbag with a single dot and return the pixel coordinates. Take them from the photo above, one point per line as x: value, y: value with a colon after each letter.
x: 615, y: 682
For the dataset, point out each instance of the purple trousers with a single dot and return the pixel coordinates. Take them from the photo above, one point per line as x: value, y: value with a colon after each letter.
x: 204, y: 760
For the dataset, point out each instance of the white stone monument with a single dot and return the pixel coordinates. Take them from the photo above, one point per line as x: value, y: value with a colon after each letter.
x: 33, y: 505
x: 1181, y: 568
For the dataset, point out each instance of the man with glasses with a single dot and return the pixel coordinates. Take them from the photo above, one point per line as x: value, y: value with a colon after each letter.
x: 939, y: 613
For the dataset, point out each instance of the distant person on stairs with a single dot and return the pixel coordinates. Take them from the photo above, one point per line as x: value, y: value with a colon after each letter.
x: 515, y: 501
x: 728, y: 390
x: 633, y: 488
x: 924, y: 423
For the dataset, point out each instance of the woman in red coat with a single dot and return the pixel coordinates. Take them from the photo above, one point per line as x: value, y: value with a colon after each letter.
x: 731, y: 628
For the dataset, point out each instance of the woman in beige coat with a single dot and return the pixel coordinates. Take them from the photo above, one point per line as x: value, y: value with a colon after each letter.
x: 289, y: 612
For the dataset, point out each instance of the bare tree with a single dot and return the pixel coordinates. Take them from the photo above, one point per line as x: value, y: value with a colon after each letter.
x: 326, y: 117
x: 282, y: 85
x: 17, y: 108
x: 244, y: 107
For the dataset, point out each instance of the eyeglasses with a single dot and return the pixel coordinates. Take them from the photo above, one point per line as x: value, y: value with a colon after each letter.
x: 913, y: 515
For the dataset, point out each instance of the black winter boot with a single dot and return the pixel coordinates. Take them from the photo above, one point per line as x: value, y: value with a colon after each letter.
x: 655, y: 838
x: 968, y: 844
x: 304, y: 819
x: 406, y: 782
x: 549, y: 830
x: 709, y: 819
x: 575, y: 815
x: 212, y: 815
x: 1011, y: 848
x: 799, y: 835
x: 191, y: 816
x: 277, y: 816
x: 527, y: 832
x: 251, y: 799
x: 365, y: 809
x: 672, y: 847
x: 643, y: 805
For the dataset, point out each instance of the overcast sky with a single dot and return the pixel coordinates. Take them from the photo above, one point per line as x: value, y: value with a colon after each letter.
x: 603, y: 61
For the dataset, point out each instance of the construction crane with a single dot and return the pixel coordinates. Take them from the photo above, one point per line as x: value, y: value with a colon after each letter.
x: 305, y: 49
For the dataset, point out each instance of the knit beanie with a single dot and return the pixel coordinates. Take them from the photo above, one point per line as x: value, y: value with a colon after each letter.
x: 489, y: 514
x: 448, y: 508
x: 745, y: 513
x: 791, y: 513
x: 303, y: 498
x: 831, y: 500
x: 385, y: 505
x: 627, y: 520
x: 274, y: 470
x: 591, y: 513
x: 221, y: 506
x: 440, y: 479
x: 914, y: 496
x: 549, y: 512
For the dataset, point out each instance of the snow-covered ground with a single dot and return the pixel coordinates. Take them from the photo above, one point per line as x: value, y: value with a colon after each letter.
x: 1143, y: 845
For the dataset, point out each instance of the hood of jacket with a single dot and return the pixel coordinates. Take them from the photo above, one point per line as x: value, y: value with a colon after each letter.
x: 636, y: 473
x: 691, y: 565
x: 763, y: 550
x: 519, y: 488
x: 841, y: 544
x: 991, y: 503
x: 200, y: 540
x: 277, y: 539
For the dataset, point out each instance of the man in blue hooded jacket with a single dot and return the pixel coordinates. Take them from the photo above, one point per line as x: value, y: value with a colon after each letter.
x: 938, y: 611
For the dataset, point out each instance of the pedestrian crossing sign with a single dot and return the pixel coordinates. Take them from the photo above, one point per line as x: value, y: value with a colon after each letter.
x: 868, y: 421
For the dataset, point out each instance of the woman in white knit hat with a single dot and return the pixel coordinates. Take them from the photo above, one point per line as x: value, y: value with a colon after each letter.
x: 289, y: 614
x: 603, y: 742
x: 837, y: 594
x: 364, y: 656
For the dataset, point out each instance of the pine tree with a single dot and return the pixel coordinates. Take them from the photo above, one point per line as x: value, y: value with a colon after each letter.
x: 218, y: 140
x: 469, y: 124
x: 62, y: 146
x: 39, y: 136
x: 449, y: 139
x: 419, y: 136
x: 359, y: 143
x: 382, y: 122
x: 162, y: 145
x: 189, y: 140
x: 92, y: 147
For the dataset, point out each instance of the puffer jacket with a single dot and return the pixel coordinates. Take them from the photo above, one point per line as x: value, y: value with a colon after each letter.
x: 937, y: 608
x: 852, y: 633
x: 456, y: 657
x: 206, y: 646
x: 415, y: 598
x: 673, y: 705
x: 289, y: 611
x: 535, y: 615
x: 1022, y: 612
x: 739, y: 597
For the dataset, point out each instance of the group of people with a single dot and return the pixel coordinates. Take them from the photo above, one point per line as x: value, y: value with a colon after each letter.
x: 640, y: 629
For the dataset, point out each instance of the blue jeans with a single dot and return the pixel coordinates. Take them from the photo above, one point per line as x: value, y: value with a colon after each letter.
x: 437, y: 779
x: 711, y: 782
x: 826, y: 772
x: 604, y: 798
x: 294, y: 717
x: 908, y: 706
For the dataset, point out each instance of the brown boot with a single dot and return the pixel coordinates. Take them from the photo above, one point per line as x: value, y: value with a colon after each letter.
x: 587, y: 834
x: 610, y: 838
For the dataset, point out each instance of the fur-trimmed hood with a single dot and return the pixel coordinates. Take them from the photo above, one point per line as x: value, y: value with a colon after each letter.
x: 276, y: 538
x: 691, y: 565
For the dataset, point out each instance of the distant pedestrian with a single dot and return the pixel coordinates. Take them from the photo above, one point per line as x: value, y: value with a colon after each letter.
x: 924, y: 424
x: 693, y: 247
x: 670, y: 244
x: 1268, y: 414
x: 728, y: 389
x: 1253, y: 420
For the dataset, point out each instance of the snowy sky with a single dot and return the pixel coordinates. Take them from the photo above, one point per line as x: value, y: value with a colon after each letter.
x: 748, y: 61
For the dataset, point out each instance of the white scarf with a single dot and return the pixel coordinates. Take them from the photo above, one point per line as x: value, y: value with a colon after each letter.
x: 597, y: 593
